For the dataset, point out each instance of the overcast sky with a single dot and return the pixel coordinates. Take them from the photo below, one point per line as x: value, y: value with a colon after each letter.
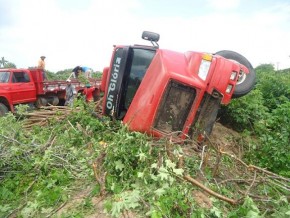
x: 83, y: 32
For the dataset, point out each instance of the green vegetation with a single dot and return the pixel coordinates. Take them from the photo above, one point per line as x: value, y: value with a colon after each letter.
x: 66, y: 168
x: 64, y: 74
x: 265, y: 114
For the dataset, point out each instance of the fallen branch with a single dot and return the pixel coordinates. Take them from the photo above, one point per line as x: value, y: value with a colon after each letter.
x: 248, y: 181
x: 12, y: 140
x: 202, y: 156
x: 268, y: 172
x: 217, y: 164
x: 257, y: 197
x: 30, y: 186
x: 254, y: 179
x: 209, y: 191
x: 280, y: 185
x: 100, y: 177
x: 57, y: 209
x: 96, y: 174
x: 234, y: 157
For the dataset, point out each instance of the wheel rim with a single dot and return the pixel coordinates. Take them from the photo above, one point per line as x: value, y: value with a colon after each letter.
x: 242, y: 77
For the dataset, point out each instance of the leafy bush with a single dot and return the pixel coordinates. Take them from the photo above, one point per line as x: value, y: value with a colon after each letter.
x: 274, y: 133
x: 275, y: 88
x: 244, y: 112
x: 265, y: 112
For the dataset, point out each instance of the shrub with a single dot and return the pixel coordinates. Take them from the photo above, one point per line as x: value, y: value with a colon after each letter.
x: 274, y: 132
x: 244, y: 112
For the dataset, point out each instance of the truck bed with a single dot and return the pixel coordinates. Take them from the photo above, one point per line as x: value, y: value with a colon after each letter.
x: 60, y: 85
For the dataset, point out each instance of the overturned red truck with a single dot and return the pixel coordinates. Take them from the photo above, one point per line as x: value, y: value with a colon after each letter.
x: 162, y: 92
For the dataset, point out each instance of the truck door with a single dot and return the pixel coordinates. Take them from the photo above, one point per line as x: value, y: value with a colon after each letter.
x: 127, y: 71
x: 138, y: 61
x: 22, y: 88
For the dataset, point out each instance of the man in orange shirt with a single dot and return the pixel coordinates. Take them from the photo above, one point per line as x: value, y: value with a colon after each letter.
x: 41, y: 65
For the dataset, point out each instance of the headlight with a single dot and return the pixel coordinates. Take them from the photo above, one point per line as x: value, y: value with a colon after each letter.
x: 204, y: 66
x: 233, y: 76
x: 229, y: 88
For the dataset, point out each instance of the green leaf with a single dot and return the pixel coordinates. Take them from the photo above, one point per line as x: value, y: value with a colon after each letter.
x: 142, y: 156
x: 119, y: 165
x: 163, y: 173
x: 140, y: 174
x: 159, y: 191
x: 170, y: 164
x: 216, y: 212
x: 178, y: 171
x: 253, y: 214
x: 5, y: 208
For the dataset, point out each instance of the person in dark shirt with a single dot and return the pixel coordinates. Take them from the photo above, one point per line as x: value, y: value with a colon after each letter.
x: 76, y: 71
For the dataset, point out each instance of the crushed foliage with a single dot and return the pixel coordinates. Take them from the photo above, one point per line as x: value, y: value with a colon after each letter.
x: 63, y: 162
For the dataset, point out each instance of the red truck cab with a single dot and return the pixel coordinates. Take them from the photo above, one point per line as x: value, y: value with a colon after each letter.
x: 16, y: 87
x: 163, y: 92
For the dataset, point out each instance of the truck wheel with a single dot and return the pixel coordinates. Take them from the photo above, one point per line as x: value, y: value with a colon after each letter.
x: 53, y: 100
x: 246, y: 82
x: 3, y: 109
x: 40, y: 102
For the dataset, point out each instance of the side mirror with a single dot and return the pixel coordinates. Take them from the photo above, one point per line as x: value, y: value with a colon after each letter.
x: 150, y: 36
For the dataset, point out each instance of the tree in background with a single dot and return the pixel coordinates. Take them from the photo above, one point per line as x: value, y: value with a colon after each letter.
x: 2, y: 62
x: 6, y: 64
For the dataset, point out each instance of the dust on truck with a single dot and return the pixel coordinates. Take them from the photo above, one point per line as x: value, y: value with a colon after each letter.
x: 26, y: 86
x: 163, y: 92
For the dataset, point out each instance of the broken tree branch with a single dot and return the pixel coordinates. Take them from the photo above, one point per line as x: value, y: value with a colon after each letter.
x: 254, y: 179
x: 202, y: 156
x: 209, y: 191
x: 248, y: 181
x: 268, y: 172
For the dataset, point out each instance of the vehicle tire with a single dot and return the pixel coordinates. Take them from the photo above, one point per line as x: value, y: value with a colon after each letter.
x: 53, y: 100
x: 3, y: 109
x: 246, y: 82
x: 40, y: 102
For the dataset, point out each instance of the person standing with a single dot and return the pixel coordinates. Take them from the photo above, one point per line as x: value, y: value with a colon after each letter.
x: 70, y: 93
x: 41, y: 66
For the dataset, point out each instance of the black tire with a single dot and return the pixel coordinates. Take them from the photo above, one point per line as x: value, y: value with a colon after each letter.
x: 3, y: 109
x: 247, y: 81
x: 40, y: 102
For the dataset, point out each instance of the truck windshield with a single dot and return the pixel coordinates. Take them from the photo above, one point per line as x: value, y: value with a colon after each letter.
x: 4, y: 77
x: 138, y: 62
